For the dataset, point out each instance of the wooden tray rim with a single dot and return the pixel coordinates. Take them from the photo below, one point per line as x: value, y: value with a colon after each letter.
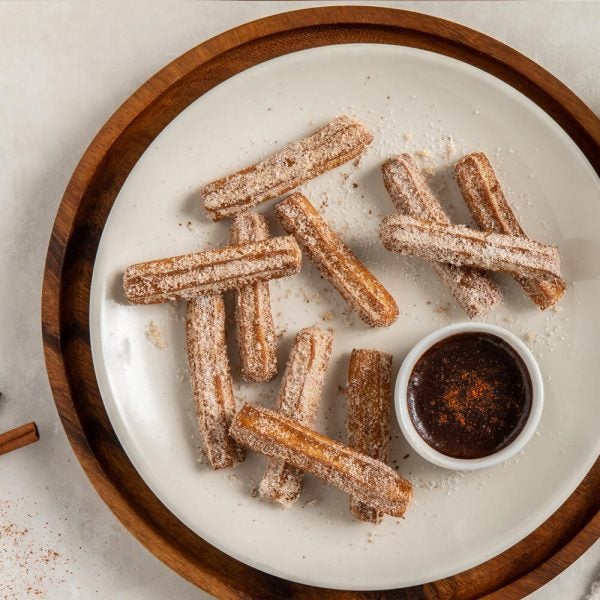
x: 579, y: 122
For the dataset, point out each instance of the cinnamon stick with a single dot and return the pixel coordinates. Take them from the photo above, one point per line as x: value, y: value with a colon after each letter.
x: 18, y: 437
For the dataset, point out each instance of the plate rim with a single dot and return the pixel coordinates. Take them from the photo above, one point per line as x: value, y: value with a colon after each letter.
x: 76, y: 233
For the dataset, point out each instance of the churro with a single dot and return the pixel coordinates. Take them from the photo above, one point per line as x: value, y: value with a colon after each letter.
x: 298, y: 398
x: 253, y: 317
x: 369, y: 399
x: 186, y: 277
x: 463, y: 246
x: 368, y: 480
x: 339, y: 141
x: 491, y: 211
x: 473, y: 289
x: 336, y: 262
x: 211, y: 380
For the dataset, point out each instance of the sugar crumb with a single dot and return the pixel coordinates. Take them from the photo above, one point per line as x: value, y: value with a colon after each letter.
x: 423, y: 154
x: 154, y: 334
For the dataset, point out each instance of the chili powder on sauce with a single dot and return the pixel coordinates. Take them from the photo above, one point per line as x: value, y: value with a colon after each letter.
x: 469, y: 395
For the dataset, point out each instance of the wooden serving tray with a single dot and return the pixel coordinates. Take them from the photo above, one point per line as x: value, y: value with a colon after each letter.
x: 81, y: 217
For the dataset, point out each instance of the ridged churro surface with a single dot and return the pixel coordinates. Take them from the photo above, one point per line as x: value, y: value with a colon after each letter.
x: 254, y: 325
x: 492, y: 212
x: 473, y: 289
x: 188, y: 276
x: 369, y: 480
x: 211, y: 380
x: 298, y: 398
x: 339, y: 141
x: 463, y: 246
x: 369, y: 397
x: 336, y: 262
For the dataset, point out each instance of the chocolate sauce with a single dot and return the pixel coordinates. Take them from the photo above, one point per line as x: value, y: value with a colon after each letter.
x: 469, y: 395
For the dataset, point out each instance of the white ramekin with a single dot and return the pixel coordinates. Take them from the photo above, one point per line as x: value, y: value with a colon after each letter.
x: 468, y: 464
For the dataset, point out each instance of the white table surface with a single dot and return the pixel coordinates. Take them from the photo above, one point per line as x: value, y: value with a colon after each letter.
x: 64, y: 68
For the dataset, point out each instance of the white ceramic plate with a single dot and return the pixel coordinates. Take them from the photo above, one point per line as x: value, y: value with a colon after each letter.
x: 411, y: 100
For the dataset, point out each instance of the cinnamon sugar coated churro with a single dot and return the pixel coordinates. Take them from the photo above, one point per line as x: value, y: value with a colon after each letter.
x: 253, y: 317
x: 185, y: 277
x: 336, y: 262
x: 298, y: 398
x: 339, y: 141
x: 473, y: 289
x: 491, y: 211
x: 463, y: 246
x: 369, y: 400
x: 361, y: 476
x: 211, y: 380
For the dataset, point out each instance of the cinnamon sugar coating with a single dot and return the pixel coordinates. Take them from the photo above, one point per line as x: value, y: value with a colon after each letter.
x: 188, y: 276
x: 492, y: 212
x: 474, y: 290
x: 369, y: 397
x: 298, y: 398
x: 339, y: 141
x: 368, y: 480
x: 211, y: 380
x: 463, y: 246
x: 336, y: 262
x: 253, y: 316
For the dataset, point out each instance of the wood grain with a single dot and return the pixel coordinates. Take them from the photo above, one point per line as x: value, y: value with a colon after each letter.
x: 81, y: 217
